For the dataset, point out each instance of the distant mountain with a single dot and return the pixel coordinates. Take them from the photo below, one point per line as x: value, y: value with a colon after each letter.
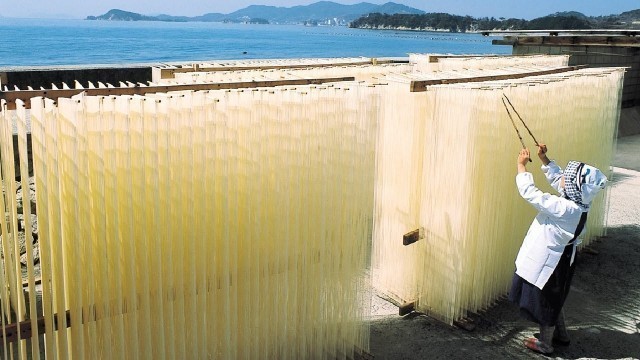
x: 323, y: 12
x: 633, y: 14
x: 164, y: 17
x: 320, y: 11
x: 576, y: 14
x: 210, y: 17
x: 559, y: 22
x: 629, y: 17
x: 121, y: 15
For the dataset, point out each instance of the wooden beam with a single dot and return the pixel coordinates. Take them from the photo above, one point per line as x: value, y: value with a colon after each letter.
x: 412, y: 237
x: 466, y: 323
x: 406, y: 308
x: 436, y: 57
x: 169, y: 73
x: 37, y: 281
x: 26, y: 331
x: 26, y: 95
x: 422, y: 85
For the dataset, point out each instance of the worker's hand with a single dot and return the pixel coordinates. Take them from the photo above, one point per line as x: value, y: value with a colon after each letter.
x: 523, y: 159
x: 542, y: 153
x: 542, y: 149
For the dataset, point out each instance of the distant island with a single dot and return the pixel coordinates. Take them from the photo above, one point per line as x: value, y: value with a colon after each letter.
x: 453, y: 23
x: 319, y: 13
x: 389, y: 16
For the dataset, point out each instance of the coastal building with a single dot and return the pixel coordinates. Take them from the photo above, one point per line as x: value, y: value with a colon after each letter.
x: 591, y: 48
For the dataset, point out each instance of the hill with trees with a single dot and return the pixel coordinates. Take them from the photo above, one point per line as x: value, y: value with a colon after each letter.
x: 455, y: 23
x: 121, y: 15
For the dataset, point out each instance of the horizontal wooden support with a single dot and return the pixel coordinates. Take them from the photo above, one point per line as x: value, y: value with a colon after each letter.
x: 406, y: 308
x: 467, y: 323
x: 412, y: 237
x: 36, y: 282
x: 26, y: 330
x: 27, y: 95
x: 436, y: 57
x: 169, y: 73
x: 421, y: 85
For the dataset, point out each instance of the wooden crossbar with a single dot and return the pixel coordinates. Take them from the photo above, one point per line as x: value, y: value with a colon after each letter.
x: 169, y: 73
x: 26, y: 331
x: 434, y: 58
x: 421, y: 85
x: 26, y: 95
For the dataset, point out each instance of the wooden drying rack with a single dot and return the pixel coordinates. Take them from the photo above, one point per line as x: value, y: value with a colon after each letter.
x: 140, y: 89
x: 25, y: 330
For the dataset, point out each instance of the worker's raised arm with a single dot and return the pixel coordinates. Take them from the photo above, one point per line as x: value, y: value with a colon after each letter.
x: 543, y: 202
x: 542, y: 154
x: 523, y: 159
x: 552, y: 172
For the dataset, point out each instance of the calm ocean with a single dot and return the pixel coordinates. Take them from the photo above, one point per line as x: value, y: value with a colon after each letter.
x: 35, y: 42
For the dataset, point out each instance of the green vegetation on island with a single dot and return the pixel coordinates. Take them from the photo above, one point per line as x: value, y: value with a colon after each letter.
x: 455, y: 23
x: 121, y: 15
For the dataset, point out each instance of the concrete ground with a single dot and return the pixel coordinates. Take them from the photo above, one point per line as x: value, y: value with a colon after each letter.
x: 602, y: 310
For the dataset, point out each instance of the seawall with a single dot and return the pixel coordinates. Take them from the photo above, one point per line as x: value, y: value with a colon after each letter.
x: 38, y: 77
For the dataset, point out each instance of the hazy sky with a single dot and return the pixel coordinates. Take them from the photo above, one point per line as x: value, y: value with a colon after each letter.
x: 525, y: 9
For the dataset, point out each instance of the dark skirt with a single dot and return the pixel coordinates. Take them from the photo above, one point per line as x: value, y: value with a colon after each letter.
x: 544, y: 306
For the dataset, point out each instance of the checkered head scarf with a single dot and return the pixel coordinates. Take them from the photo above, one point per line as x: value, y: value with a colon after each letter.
x: 582, y: 182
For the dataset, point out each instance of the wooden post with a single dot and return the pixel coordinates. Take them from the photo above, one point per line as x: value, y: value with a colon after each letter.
x: 413, y: 236
x: 406, y: 308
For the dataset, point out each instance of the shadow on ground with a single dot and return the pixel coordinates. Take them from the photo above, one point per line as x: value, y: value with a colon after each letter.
x: 601, y: 343
x: 602, y: 313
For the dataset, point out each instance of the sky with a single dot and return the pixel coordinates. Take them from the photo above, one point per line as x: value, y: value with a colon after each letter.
x: 522, y: 9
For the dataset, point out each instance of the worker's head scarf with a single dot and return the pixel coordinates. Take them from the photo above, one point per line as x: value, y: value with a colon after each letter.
x: 582, y: 182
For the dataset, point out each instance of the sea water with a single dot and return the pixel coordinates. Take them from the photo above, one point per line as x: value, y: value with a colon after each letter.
x: 44, y: 42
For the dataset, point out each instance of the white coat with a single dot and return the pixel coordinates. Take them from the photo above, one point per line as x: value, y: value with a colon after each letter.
x: 551, y: 230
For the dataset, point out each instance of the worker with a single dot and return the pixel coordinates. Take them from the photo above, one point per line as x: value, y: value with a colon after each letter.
x: 546, y: 260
